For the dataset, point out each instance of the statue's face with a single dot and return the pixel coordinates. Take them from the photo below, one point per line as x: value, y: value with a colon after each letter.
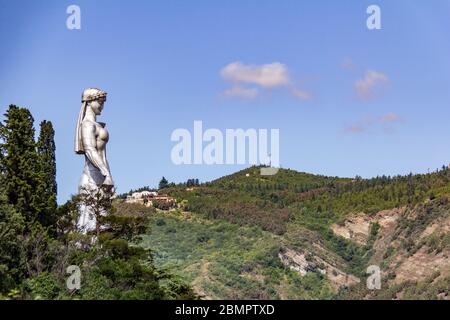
x: 97, y: 106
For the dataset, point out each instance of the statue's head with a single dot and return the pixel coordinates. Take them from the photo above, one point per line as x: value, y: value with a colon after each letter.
x: 95, y: 99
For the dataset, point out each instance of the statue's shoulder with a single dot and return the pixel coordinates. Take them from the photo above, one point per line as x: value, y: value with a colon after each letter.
x: 88, y: 124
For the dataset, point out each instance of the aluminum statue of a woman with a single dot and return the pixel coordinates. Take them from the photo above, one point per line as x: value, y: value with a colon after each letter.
x: 91, y: 138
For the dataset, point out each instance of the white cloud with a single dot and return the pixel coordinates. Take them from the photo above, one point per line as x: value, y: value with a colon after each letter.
x: 374, y: 123
x: 266, y: 75
x: 368, y: 86
x: 241, y: 92
x: 348, y: 64
x: 301, y: 94
x: 390, y: 117
x: 355, y: 128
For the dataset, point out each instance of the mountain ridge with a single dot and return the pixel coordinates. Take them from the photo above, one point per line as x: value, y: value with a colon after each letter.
x: 320, y: 234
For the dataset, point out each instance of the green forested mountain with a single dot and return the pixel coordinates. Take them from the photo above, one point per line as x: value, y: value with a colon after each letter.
x: 296, y: 235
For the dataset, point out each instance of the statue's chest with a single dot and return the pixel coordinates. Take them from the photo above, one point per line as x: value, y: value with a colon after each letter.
x: 102, y: 134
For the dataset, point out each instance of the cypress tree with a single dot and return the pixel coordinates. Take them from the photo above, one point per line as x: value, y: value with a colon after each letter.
x: 19, y: 161
x: 47, y: 174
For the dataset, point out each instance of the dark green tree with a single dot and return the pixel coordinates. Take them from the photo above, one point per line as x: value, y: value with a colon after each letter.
x: 12, y: 257
x: 163, y: 183
x: 47, y: 187
x: 19, y: 161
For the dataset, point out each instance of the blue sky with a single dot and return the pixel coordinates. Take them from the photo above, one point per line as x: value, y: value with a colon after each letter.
x: 371, y: 102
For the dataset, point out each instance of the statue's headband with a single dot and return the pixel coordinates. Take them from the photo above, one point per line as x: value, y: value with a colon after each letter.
x: 92, y: 97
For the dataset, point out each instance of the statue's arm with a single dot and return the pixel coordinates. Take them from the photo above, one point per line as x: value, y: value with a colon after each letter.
x: 90, y: 147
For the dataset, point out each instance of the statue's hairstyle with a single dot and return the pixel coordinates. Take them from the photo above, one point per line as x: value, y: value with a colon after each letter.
x: 90, y: 94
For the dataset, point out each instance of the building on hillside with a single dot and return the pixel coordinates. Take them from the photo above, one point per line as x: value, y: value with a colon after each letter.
x: 150, y: 198
x: 138, y: 197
